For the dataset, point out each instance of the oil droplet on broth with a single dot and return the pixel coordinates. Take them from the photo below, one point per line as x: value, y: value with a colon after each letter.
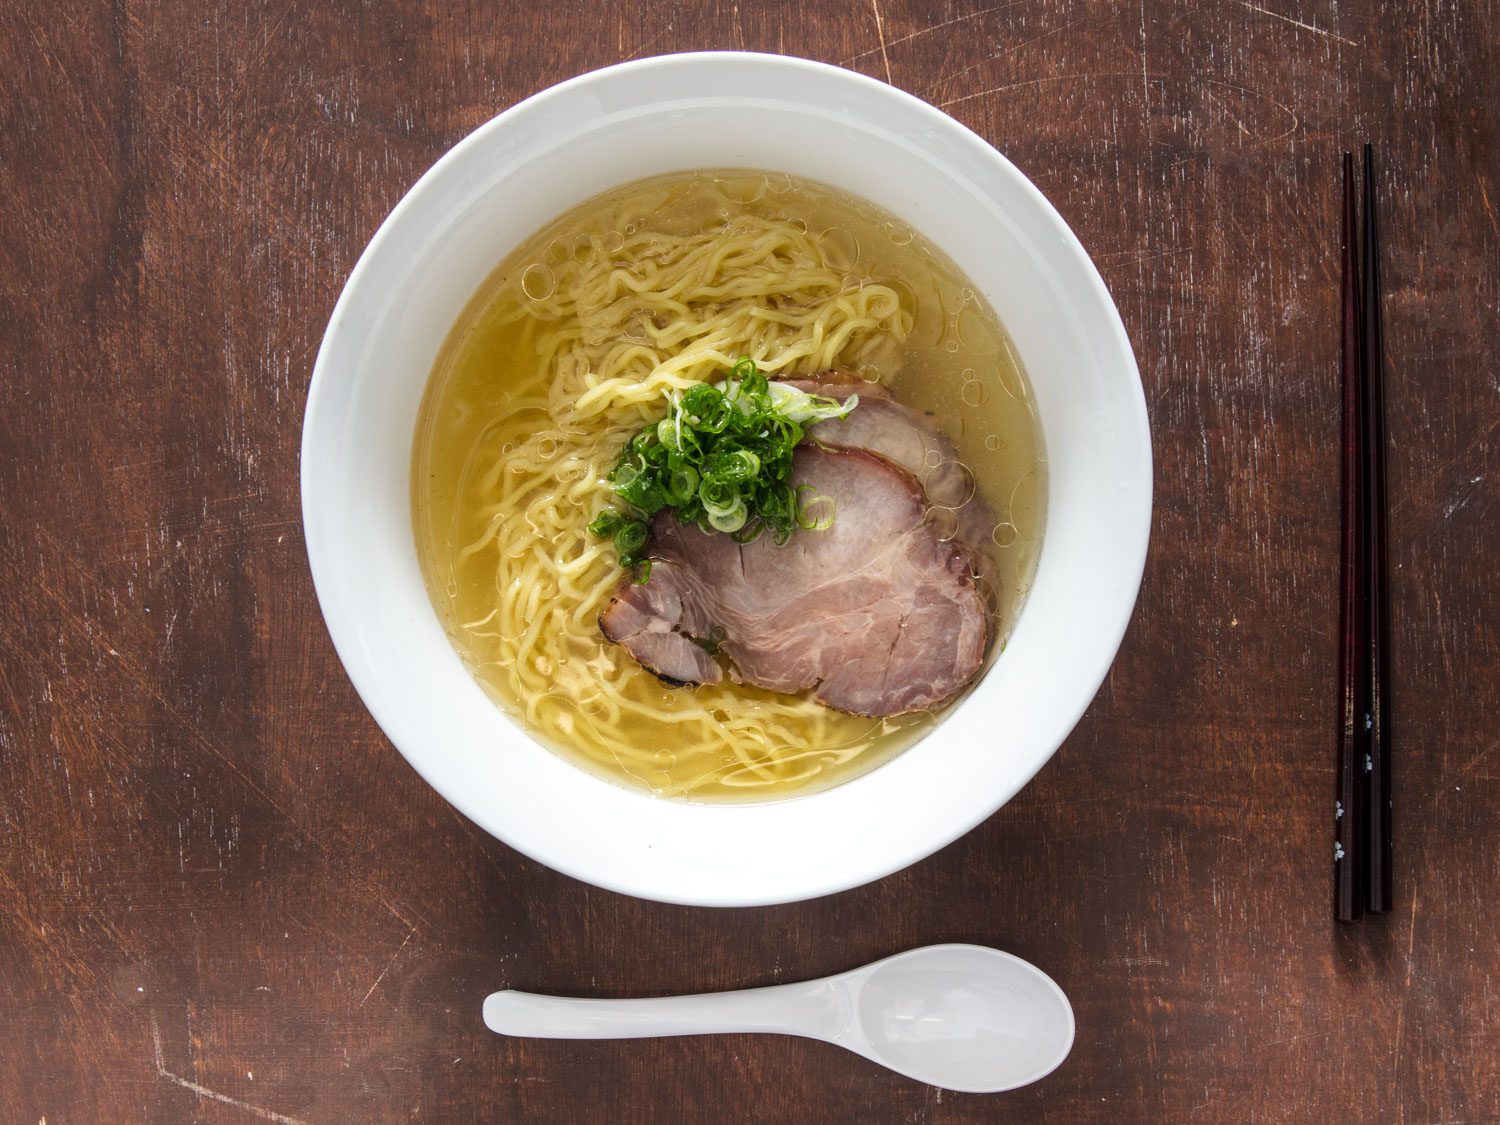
x: 1026, y: 559
x: 538, y: 282
x: 745, y: 189
x: 992, y: 442
x: 929, y: 324
x: 1010, y: 379
x: 958, y: 483
x: 943, y: 521
x: 840, y: 247
x: 974, y: 393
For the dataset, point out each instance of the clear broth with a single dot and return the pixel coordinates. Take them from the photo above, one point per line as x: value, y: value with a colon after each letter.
x: 958, y: 363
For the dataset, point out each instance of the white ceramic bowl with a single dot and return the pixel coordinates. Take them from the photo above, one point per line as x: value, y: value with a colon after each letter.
x: 723, y: 110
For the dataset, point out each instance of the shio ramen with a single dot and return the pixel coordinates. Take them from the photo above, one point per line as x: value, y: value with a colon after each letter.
x: 727, y: 485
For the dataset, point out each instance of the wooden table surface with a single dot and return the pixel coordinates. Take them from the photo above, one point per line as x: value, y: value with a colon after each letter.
x: 224, y: 896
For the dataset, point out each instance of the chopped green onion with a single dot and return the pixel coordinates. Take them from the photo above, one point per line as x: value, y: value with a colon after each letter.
x: 817, y: 513
x: 681, y: 484
x: 630, y: 538
x: 717, y: 494
x: 721, y: 458
x: 731, y: 518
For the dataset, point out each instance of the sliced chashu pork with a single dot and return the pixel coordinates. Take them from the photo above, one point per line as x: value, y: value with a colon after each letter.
x: 879, y: 614
x: 912, y: 440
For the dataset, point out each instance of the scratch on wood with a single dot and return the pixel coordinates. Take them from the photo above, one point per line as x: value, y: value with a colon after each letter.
x: 1239, y: 124
x: 1017, y: 86
x: 1467, y: 455
x: 1411, y: 936
x: 1012, y: 49
x: 885, y: 57
x: 1474, y: 762
x: 100, y: 640
x: 203, y: 1091
x: 387, y: 968
x: 400, y: 917
x: 1296, y: 22
x: 1296, y: 122
x: 649, y: 43
x: 1139, y: 253
x: 1145, y: 93
x: 929, y: 30
x: 1464, y: 494
x: 1297, y: 1038
x: 469, y: 832
x: 1484, y: 197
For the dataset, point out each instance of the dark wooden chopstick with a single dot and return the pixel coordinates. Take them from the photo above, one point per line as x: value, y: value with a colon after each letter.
x: 1377, y: 803
x: 1362, y: 820
x: 1348, y: 854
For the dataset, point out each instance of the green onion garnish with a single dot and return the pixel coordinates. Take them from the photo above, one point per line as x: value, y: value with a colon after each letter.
x: 721, y: 458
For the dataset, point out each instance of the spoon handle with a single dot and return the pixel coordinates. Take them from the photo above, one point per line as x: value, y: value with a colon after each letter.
x: 809, y: 1008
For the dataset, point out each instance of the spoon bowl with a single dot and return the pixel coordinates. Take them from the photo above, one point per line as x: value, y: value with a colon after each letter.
x: 964, y: 1017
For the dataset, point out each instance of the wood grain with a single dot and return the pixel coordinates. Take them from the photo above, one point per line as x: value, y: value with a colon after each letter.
x: 224, y: 896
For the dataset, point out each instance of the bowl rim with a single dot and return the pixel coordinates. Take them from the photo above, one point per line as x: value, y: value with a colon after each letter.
x: 1130, y: 564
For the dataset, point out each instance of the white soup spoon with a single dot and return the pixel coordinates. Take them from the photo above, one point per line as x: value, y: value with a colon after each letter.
x: 964, y: 1017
